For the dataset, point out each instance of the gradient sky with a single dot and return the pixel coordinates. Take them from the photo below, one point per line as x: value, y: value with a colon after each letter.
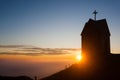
x: 55, y: 23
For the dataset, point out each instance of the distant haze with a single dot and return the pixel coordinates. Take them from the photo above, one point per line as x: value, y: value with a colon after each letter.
x: 40, y: 66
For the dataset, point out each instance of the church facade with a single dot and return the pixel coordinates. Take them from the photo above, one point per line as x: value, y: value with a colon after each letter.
x: 95, y: 38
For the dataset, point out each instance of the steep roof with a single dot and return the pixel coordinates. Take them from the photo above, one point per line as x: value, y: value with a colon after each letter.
x: 96, y: 26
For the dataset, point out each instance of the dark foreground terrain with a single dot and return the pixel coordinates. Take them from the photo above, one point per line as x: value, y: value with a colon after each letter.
x: 15, y: 78
x: 104, y: 69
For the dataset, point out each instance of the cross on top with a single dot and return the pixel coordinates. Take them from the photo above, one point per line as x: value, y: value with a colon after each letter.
x: 95, y: 12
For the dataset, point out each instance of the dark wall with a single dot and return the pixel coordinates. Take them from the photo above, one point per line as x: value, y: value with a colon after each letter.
x: 95, y: 39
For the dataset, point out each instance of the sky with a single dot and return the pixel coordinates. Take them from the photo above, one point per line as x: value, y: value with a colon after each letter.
x: 55, y: 23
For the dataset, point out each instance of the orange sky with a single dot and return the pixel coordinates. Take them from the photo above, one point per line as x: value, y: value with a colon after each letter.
x: 41, y: 58
x: 41, y: 66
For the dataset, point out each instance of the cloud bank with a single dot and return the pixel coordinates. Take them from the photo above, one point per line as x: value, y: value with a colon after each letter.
x: 33, y: 51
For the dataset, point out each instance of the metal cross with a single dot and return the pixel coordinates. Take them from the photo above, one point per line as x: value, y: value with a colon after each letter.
x: 95, y: 12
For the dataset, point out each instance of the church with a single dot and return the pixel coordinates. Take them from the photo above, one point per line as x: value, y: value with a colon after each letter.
x: 95, y: 39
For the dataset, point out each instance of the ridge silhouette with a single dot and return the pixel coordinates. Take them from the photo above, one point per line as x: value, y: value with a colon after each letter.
x: 15, y: 78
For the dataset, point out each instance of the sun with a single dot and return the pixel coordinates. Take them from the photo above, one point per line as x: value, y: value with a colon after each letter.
x: 78, y: 56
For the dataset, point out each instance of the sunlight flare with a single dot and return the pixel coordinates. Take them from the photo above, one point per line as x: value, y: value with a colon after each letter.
x: 78, y: 56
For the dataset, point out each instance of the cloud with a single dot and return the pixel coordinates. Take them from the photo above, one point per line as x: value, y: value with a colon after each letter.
x: 33, y: 51
x: 14, y: 46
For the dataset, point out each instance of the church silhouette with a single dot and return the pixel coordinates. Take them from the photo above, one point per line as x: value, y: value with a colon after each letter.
x: 95, y: 38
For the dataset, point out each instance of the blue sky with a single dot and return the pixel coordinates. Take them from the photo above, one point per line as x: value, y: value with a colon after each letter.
x: 54, y: 23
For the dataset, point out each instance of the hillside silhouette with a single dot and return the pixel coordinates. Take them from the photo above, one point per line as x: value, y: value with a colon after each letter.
x: 107, y: 70
x: 15, y: 78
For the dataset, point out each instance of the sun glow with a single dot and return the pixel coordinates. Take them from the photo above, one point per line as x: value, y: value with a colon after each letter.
x: 78, y: 56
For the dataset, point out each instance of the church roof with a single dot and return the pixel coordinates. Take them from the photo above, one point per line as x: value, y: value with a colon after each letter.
x: 96, y: 26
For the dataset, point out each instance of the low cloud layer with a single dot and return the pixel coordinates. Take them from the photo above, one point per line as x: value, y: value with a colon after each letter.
x: 33, y: 51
